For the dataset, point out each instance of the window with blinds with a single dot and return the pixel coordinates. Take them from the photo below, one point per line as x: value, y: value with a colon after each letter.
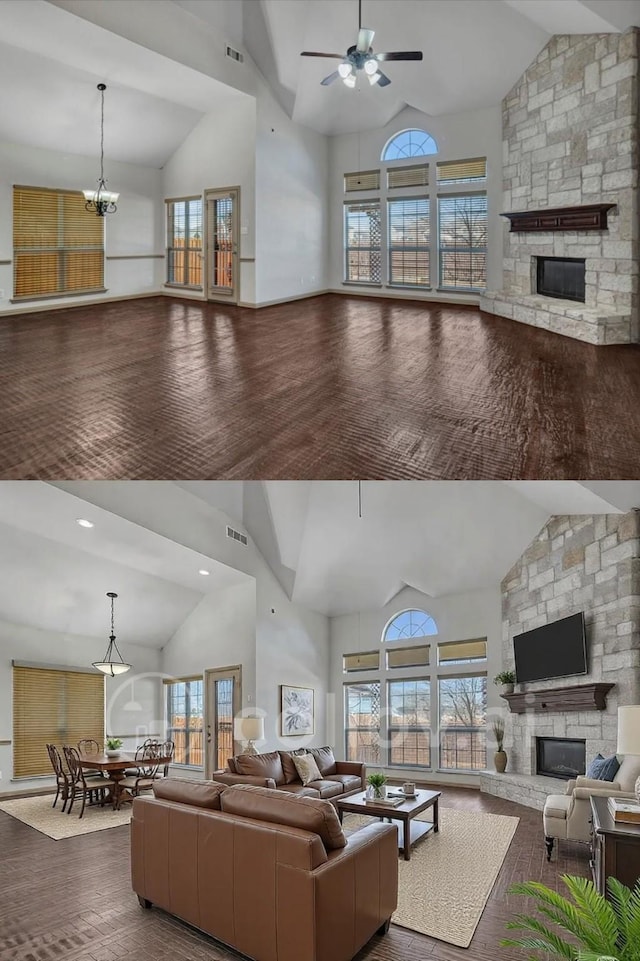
x: 417, y: 176
x: 462, y: 652
x: 365, y: 661
x: 363, y: 238
x: 185, y: 714
x: 408, y: 241
x: 52, y: 706
x: 401, y: 657
x: 184, y: 242
x: 58, y: 246
x: 462, y: 241
x: 362, y: 180
x: 461, y: 171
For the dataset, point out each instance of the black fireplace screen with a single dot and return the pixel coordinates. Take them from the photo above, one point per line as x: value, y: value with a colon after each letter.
x: 561, y: 277
x: 560, y: 757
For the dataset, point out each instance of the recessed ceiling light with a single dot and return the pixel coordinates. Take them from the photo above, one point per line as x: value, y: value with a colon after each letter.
x: 84, y: 523
x: 204, y: 573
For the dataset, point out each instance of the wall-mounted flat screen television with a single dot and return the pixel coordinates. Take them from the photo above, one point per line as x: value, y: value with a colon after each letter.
x: 555, y: 650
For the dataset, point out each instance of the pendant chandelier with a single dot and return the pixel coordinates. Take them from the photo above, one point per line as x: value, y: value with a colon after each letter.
x: 110, y: 664
x: 102, y: 201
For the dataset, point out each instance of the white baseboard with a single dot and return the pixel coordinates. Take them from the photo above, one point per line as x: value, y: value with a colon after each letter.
x: 284, y: 300
x: 435, y: 297
x: 38, y: 308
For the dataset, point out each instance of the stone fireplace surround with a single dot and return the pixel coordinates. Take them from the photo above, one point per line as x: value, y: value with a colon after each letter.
x: 570, y: 138
x: 588, y: 563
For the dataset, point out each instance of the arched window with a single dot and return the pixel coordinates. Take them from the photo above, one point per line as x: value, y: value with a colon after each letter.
x: 409, y: 143
x: 409, y: 624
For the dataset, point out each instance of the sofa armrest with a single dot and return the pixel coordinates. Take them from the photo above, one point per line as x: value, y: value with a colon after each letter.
x: 351, y: 767
x: 582, y: 781
x: 584, y: 793
x: 228, y: 778
x: 571, y: 786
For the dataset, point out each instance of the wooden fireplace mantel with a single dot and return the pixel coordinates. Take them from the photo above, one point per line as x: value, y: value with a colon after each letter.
x: 581, y: 697
x: 586, y: 217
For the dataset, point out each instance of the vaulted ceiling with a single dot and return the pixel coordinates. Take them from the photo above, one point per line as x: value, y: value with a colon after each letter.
x: 164, y: 64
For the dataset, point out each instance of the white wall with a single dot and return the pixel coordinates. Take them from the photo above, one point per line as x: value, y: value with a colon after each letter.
x: 46, y: 647
x: 292, y: 207
x: 136, y: 229
x: 220, y: 152
x: 458, y: 616
x: 465, y: 135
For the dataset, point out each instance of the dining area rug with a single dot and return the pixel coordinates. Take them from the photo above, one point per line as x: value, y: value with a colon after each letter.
x: 38, y: 813
x: 443, y: 889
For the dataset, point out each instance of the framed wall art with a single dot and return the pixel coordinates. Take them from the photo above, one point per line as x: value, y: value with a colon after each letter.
x: 296, y: 710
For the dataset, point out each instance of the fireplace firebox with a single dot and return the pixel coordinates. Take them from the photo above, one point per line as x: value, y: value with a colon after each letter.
x: 561, y: 277
x: 560, y: 757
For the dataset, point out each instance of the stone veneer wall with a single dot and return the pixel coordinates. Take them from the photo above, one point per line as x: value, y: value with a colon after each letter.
x: 570, y: 137
x: 579, y: 563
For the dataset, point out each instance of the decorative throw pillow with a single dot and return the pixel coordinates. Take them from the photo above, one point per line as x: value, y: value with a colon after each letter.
x: 603, y: 768
x: 307, y: 768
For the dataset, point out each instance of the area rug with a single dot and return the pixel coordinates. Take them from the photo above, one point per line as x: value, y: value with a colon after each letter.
x: 443, y: 889
x: 38, y: 813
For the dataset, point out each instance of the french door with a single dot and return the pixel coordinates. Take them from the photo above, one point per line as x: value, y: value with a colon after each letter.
x: 223, y: 702
x: 222, y: 244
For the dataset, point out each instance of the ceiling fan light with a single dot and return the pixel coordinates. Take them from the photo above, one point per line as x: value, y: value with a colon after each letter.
x: 371, y: 66
x: 375, y: 77
x: 345, y: 69
x: 349, y: 81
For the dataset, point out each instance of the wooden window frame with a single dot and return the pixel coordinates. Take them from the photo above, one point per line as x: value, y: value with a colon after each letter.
x: 187, y: 251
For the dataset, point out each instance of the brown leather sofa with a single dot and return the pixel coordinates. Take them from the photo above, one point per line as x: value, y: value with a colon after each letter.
x: 272, y: 876
x: 277, y: 770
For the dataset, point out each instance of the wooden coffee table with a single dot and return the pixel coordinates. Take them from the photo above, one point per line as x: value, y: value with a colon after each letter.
x: 406, y: 812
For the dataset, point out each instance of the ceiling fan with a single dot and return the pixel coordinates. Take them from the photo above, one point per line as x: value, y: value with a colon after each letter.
x: 362, y: 57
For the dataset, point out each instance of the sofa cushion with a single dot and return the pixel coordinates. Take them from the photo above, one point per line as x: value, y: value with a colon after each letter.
x: 307, y: 768
x: 628, y: 772
x: 350, y: 782
x: 261, y: 765
x: 201, y: 794
x: 310, y: 814
x: 603, y: 768
x: 289, y: 768
x: 298, y: 789
x: 327, y: 788
x: 324, y: 759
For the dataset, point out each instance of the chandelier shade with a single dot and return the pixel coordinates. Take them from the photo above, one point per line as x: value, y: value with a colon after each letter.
x: 112, y: 663
x: 101, y: 201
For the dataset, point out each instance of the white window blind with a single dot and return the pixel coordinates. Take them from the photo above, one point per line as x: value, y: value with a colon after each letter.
x: 363, y: 237
x: 462, y: 171
x: 462, y: 652
x: 408, y: 241
x: 58, y: 246
x: 184, y: 242
x: 417, y: 176
x: 53, y: 706
x: 365, y: 661
x: 362, y: 180
x: 462, y: 239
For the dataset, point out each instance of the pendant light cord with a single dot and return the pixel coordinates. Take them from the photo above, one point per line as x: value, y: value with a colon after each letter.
x: 102, y: 180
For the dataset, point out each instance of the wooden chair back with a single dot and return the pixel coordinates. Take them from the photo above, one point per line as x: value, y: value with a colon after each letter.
x: 76, y: 773
x: 88, y: 745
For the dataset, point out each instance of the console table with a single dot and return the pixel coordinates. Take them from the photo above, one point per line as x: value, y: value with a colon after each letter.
x: 615, y: 848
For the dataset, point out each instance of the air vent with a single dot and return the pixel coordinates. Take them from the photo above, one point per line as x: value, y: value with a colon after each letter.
x: 237, y: 536
x: 234, y: 54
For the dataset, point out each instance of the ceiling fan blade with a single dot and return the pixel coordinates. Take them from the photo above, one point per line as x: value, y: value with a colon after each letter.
x: 384, y: 80
x: 400, y: 55
x: 327, y: 80
x: 365, y: 39
x: 332, y: 56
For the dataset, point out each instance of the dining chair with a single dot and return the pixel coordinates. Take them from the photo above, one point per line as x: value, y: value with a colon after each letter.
x: 62, y: 778
x: 86, y: 785
x: 89, y: 745
x: 168, y: 749
x: 149, y: 764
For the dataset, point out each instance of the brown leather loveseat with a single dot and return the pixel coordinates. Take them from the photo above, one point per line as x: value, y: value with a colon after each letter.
x: 272, y: 876
x: 277, y: 770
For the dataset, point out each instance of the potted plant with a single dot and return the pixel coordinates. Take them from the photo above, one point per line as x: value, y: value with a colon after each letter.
x: 506, y: 680
x: 113, y: 746
x: 378, y: 783
x: 599, y: 929
x: 500, y: 757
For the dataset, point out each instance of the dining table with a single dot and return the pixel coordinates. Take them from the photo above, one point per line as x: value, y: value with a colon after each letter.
x: 115, y: 768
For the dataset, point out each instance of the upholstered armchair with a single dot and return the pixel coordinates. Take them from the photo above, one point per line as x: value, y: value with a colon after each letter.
x: 568, y: 816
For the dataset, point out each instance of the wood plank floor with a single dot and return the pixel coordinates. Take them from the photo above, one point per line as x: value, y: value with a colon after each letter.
x: 330, y: 387
x: 61, y: 900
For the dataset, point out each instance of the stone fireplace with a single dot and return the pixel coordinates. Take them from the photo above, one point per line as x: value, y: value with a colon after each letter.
x: 570, y: 144
x: 576, y: 563
x: 560, y: 757
x: 561, y: 277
